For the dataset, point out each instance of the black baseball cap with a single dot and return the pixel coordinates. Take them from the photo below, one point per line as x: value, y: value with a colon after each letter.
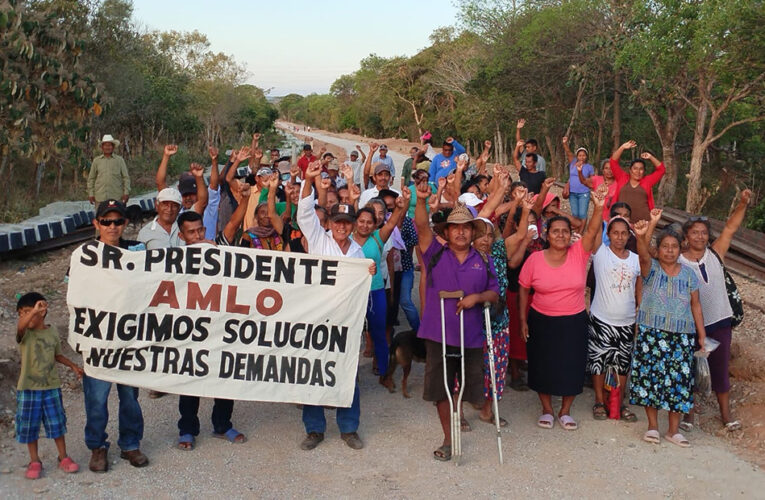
x: 307, y: 147
x: 343, y: 211
x: 111, y: 206
x: 187, y: 184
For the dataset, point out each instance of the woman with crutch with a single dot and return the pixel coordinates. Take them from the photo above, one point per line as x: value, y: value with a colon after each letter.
x: 453, y: 266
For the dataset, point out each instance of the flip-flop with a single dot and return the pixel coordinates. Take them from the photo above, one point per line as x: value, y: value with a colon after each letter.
x: 627, y: 415
x: 678, y: 439
x: 443, y: 453
x: 652, y: 436
x: 686, y: 426
x: 733, y: 426
x: 490, y: 420
x: 185, y: 442
x: 546, y: 421
x: 232, y: 436
x: 465, y: 425
x: 567, y: 422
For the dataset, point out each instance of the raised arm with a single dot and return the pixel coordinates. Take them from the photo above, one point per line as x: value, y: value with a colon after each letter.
x: 458, y: 148
x: 659, y: 168
x: 496, y: 197
x: 518, y: 126
x: 516, y: 156
x: 480, y: 163
x: 402, y: 204
x: 643, y: 238
x: 587, y: 181
x: 421, y: 221
x: 276, y: 220
x: 361, y: 152
x: 540, y: 201
x: 39, y: 310
x: 161, y: 178
x: 368, y: 163
x: 235, y: 222
x: 567, y: 149
x: 198, y: 171
x: 722, y: 243
x: 214, y: 173
x: 595, y: 225
x: 513, y: 241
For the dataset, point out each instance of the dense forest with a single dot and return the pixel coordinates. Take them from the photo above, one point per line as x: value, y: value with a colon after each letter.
x: 73, y: 70
x: 684, y: 78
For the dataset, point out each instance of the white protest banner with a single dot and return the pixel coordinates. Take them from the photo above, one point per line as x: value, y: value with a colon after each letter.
x: 223, y: 322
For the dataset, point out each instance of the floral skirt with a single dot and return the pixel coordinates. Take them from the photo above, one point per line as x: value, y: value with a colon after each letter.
x: 501, y: 340
x: 662, y: 370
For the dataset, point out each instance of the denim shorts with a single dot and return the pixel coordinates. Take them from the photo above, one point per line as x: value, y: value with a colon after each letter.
x: 33, y: 407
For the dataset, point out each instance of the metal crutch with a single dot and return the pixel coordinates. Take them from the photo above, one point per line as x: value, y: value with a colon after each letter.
x: 454, y: 416
x: 493, y: 373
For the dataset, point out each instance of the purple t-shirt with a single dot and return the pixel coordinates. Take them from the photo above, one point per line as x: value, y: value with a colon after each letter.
x: 575, y: 185
x: 449, y: 275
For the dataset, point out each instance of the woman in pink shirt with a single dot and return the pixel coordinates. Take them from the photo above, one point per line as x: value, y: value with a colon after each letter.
x: 555, y: 327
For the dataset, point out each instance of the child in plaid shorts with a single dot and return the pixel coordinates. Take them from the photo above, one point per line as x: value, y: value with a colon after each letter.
x: 38, y: 393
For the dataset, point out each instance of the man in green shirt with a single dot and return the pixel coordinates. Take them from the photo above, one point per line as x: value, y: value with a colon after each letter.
x: 406, y: 172
x: 108, y: 178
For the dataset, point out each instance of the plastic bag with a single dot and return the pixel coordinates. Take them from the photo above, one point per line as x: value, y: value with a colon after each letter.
x: 702, y: 383
x: 615, y: 403
x: 612, y: 378
x: 710, y: 344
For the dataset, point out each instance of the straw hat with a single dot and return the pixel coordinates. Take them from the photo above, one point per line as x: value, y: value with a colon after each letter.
x: 461, y: 215
x: 109, y: 138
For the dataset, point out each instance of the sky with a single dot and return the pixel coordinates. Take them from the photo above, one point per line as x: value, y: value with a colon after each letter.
x: 301, y: 46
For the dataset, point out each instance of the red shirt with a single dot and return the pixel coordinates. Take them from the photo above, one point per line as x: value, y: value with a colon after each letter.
x: 647, y: 182
x: 304, y: 161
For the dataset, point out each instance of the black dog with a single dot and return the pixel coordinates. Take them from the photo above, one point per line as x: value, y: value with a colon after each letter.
x: 405, y: 347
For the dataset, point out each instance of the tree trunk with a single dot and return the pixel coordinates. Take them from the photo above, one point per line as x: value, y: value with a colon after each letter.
x: 616, y: 131
x: 667, y: 129
x: 695, y: 198
x: 38, y: 178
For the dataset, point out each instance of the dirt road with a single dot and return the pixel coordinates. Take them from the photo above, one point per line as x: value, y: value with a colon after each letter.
x: 603, y: 459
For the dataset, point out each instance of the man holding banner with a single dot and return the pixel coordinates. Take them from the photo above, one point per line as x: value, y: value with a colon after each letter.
x: 335, y: 242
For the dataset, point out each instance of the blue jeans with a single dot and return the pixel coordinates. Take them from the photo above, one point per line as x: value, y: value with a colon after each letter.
x: 376, y: 316
x: 347, y: 418
x: 405, y: 300
x: 580, y: 202
x: 188, y: 407
x: 97, y: 414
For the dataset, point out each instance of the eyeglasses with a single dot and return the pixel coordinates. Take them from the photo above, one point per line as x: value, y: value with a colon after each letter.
x: 698, y: 218
x: 109, y: 222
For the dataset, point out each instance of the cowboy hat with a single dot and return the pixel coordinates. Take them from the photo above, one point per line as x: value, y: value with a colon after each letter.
x: 461, y: 215
x: 109, y: 138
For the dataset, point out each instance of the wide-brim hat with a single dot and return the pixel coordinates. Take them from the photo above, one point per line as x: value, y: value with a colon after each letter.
x: 109, y: 138
x: 461, y: 215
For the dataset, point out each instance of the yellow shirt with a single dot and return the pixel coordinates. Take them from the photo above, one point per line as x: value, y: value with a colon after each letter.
x: 108, y: 178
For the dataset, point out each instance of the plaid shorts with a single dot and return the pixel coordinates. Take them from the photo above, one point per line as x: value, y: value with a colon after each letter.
x: 36, y: 406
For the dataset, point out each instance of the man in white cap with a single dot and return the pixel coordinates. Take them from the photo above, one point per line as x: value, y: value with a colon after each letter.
x: 108, y: 178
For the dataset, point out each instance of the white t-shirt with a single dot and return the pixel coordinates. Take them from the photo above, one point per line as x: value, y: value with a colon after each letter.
x: 614, y: 301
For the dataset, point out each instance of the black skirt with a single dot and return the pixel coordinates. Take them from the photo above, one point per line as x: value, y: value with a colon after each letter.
x: 557, y: 353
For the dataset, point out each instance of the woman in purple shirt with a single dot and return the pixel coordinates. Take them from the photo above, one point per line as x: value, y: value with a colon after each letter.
x: 455, y: 265
x: 579, y: 194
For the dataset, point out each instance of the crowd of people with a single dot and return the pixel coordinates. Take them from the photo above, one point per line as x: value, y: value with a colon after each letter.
x: 496, y: 233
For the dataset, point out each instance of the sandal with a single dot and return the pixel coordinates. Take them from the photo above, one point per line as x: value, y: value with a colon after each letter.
x: 465, y: 425
x: 627, y: 415
x: 233, y: 436
x: 733, y: 426
x: 443, y: 453
x: 34, y: 469
x: 490, y: 420
x: 599, y: 411
x: 678, y: 439
x: 546, y: 421
x: 652, y: 436
x: 686, y: 426
x: 68, y: 465
x: 186, y: 442
x: 567, y: 422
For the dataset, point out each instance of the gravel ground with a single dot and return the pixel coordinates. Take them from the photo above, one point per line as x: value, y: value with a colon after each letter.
x: 606, y: 458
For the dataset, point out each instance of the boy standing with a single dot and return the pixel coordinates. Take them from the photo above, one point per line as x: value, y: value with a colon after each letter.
x: 38, y: 393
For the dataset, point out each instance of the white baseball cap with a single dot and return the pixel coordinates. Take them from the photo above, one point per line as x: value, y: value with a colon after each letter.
x: 170, y: 194
x: 470, y: 199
